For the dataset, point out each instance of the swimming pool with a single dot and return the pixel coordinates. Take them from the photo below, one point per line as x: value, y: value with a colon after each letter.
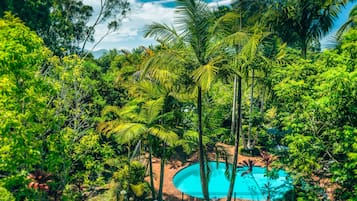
x: 250, y: 186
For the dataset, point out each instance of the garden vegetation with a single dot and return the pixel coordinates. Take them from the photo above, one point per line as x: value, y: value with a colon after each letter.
x: 251, y: 75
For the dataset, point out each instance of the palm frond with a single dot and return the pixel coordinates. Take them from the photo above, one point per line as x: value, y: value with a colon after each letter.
x: 166, y: 77
x: 190, y: 14
x: 204, y: 75
x: 193, y: 22
x: 281, y: 52
x: 189, y: 94
x: 151, y: 109
x: 189, y: 141
x: 343, y: 28
x: 110, y: 109
x: 164, y: 66
x: 168, y: 136
x: 107, y: 127
x: 129, y: 112
x: 163, y: 33
x: 150, y: 90
x: 351, y: 22
x: 232, y: 40
x: 226, y: 25
x: 250, y: 49
x: 128, y: 132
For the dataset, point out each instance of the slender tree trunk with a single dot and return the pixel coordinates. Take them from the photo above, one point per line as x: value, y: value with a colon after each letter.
x: 251, y: 113
x: 244, y: 141
x: 262, y: 102
x: 151, y: 172
x: 242, y: 134
x: 237, y: 97
x: 304, y: 49
x: 162, y: 168
x: 204, y: 181
x: 234, y: 108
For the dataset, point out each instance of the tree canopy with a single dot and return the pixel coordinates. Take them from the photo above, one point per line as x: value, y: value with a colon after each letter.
x: 78, y: 128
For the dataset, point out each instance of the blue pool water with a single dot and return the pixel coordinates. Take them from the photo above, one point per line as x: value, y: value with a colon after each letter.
x: 250, y: 186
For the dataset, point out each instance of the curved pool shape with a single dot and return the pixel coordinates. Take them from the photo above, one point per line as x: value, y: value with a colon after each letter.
x: 249, y: 186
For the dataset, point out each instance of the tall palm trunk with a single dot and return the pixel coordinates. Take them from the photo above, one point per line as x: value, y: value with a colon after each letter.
x: 151, y: 172
x: 262, y: 100
x: 304, y: 45
x: 250, y: 146
x: 234, y: 107
x: 244, y: 141
x: 238, y: 128
x: 162, y: 168
x: 204, y: 181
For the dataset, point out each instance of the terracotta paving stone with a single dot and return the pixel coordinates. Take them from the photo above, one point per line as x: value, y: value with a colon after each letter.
x: 171, y: 167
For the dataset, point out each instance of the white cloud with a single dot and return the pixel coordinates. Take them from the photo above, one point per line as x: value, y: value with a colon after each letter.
x: 130, y: 33
x: 131, y: 29
x: 92, y: 2
x: 220, y: 3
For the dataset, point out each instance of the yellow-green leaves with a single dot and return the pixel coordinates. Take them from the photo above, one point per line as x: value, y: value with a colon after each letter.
x: 128, y: 132
x: 166, y: 135
x: 205, y: 75
x: 137, y: 120
x: 6, y: 195
x: 21, y: 49
x: 152, y: 108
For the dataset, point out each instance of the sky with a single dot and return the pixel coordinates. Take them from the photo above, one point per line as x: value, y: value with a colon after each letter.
x: 328, y: 40
x: 145, y: 12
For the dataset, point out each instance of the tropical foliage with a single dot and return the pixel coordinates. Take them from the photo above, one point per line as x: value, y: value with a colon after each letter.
x: 78, y: 128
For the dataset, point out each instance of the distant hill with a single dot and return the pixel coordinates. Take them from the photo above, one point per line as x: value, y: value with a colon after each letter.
x: 99, y: 53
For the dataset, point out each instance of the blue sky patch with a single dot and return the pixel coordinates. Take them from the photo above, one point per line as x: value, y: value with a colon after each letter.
x: 145, y: 12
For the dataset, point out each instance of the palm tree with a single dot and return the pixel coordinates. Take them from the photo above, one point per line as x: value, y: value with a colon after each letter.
x: 350, y: 23
x: 301, y: 22
x: 251, y: 10
x: 229, y: 28
x: 139, y: 120
x: 193, y: 22
x: 246, y: 47
x: 257, y: 59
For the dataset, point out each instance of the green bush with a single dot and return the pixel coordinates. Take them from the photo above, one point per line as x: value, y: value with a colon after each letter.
x: 6, y: 195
